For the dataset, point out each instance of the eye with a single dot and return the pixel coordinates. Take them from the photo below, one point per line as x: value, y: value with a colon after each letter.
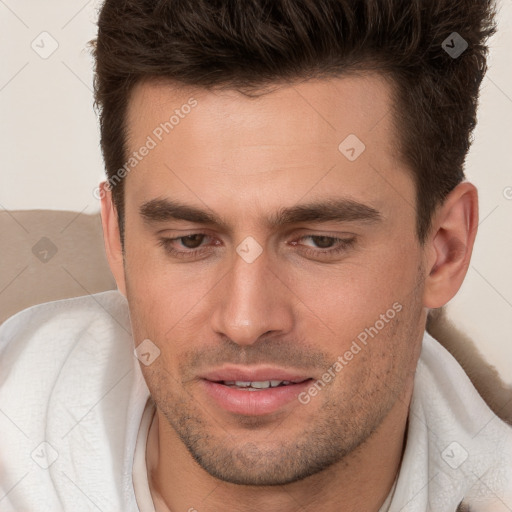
x: 324, y: 242
x: 332, y: 246
x: 191, y: 246
x: 191, y: 242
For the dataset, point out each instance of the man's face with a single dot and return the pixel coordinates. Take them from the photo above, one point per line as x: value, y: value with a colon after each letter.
x: 262, y: 296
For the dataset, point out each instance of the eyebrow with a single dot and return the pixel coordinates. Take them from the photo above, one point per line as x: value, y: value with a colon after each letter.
x: 327, y: 210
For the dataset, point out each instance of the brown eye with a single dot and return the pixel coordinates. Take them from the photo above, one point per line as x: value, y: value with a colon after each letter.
x: 192, y: 241
x: 325, y: 246
x: 189, y: 246
x: 323, y: 242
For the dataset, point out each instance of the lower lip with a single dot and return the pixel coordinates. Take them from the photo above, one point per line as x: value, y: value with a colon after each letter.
x: 253, y: 403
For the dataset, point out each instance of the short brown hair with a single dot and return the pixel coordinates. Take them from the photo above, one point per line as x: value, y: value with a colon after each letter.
x: 249, y: 44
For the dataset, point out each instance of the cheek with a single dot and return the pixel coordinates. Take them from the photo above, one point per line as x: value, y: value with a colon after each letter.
x: 154, y: 284
x: 343, y: 301
x: 166, y: 299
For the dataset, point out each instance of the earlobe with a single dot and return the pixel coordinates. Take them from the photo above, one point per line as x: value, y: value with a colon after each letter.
x: 450, y: 245
x: 112, y: 237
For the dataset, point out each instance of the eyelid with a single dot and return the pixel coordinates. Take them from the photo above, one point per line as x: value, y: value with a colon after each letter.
x: 322, y: 235
x: 342, y: 243
x: 302, y: 233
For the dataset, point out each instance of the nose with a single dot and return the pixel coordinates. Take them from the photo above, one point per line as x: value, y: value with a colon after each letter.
x: 251, y: 301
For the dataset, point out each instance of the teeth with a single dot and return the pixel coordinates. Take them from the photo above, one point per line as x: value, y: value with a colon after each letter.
x: 265, y: 384
x: 261, y: 385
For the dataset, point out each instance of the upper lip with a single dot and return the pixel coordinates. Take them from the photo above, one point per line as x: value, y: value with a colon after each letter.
x: 259, y: 374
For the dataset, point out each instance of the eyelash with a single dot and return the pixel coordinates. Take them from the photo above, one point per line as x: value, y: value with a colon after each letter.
x: 343, y: 245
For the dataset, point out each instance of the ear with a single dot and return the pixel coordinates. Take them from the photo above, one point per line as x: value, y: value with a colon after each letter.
x: 450, y: 245
x: 111, y: 236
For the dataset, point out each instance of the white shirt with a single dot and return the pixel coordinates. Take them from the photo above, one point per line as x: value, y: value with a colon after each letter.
x: 75, y: 413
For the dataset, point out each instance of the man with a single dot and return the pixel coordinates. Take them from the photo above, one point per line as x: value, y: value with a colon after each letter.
x: 285, y: 205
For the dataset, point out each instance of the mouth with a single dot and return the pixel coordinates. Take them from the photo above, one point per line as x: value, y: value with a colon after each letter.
x: 259, y: 385
x: 254, y: 393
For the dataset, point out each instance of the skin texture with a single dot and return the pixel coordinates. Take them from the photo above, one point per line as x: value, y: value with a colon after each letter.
x: 243, y: 159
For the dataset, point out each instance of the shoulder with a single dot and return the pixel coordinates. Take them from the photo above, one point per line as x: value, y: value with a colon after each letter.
x: 484, y: 376
x: 68, y: 383
x: 465, y: 438
x: 62, y: 348
x: 54, y: 327
x: 81, y: 310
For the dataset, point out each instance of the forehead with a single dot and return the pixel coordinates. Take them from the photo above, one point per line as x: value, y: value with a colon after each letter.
x: 301, y: 113
x: 295, y: 140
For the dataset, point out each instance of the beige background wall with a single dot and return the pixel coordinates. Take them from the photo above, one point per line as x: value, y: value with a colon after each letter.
x: 50, y: 154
